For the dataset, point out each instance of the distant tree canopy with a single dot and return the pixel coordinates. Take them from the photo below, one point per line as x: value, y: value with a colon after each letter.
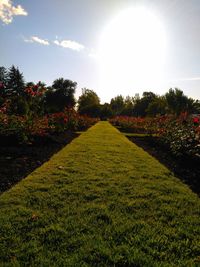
x: 117, y: 104
x: 128, y: 106
x: 150, y: 104
x: 89, y: 103
x: 141, y: 105
x: 158, y: 106
x: 106, y: 111
x: 36, y: 99
x: 177, y: 102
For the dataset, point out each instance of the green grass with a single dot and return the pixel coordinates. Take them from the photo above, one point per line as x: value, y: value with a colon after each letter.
x: 101, y: 201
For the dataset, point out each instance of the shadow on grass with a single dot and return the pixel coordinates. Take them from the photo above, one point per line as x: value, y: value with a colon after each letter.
x: 18, y: 161
x: 186, y: 169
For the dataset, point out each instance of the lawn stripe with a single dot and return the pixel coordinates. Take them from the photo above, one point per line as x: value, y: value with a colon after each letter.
x: 100, y: 201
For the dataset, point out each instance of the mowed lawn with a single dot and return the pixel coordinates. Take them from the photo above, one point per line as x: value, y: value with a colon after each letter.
x: 101, y: 201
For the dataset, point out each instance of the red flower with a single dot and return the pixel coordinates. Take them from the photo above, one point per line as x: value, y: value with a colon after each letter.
x: 196, y: 120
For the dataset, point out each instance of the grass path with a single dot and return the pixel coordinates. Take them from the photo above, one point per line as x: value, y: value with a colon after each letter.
x: 101, y: 201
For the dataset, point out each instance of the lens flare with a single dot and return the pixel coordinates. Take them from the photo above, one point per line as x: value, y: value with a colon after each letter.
x: 132, y: 52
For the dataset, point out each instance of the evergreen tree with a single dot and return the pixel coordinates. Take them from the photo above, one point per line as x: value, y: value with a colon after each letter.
x: 15, y: 86
x: 3, y: 81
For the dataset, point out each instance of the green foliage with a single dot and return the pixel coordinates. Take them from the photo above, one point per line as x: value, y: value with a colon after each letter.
x: 101, y: 201
x: 25, y: 128
x: 3, y: 75
x: 15, y: 127
x: 177, y: 102
x: 128, y: 106
x: 89, y: 103
x: 19, y: 106
x: 141, y: 104
x: 106, y: 111
x: 15, y: 82
x: 182, y: 135
x: 35, y: 98
x: 196, y: 106
x: 60, y: 96
x: 157, y: 107
x: 3, y: 81
x: 117, y: 104
x: 150, y: 104
x: 136, y: 124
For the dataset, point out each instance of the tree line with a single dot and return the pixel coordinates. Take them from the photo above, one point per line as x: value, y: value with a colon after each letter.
x: 26, y: 98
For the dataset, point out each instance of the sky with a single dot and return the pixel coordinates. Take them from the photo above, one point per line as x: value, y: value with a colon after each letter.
x: 112, y: 47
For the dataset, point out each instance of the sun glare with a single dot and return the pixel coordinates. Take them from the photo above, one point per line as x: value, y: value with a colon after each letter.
x: 132, y: 52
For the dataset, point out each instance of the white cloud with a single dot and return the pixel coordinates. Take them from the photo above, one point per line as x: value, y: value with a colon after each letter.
x: 35, y: 39
x: 70, y: 44
x: 8, y: 11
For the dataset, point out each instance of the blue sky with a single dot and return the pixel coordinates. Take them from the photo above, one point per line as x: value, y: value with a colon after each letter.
x: 48, y: 39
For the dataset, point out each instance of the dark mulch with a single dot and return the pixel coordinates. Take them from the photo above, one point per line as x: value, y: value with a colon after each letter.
x: 186, y: 169
x: 17, y: 161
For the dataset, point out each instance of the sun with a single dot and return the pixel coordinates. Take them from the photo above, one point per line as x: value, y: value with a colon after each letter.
x: 132, y: 52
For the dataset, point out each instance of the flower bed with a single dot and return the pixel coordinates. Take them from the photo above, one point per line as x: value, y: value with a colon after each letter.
x: 135, y: 124
x: 24, y: 129
x: 180, y: 134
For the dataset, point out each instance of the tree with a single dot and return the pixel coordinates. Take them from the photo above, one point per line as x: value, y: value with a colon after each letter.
x: 177, y: 102
x: 30, y: 84
x: 15, y: 82
x: 196, y: 107
x: 3, y: 81
x: 117, y: 104
x: 157, y: 107
x: 35, y: 97
x: 141, y: 104
x: 60, y: 95
x: 106, y: 111
x: 19, y: 106
x: 89, y: 103
x: 128, y: 106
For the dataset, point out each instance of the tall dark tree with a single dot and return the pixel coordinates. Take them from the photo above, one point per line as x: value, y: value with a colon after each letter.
x: 89, y: 103
x: 157, y: 107
x: 178, y: 102
x: 60, y: 95
x: 3, y: 81
x: 128, y: 106
x: 117, y: 104
x: 196, y: 107
x: 141, y: 104
x: 106, y: 111
x: 15, y: 82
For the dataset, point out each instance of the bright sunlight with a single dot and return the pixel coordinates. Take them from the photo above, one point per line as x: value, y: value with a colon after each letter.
x: 132, y: 52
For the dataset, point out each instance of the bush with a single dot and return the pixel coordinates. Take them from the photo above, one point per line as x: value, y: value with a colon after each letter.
x: 181, y: 134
